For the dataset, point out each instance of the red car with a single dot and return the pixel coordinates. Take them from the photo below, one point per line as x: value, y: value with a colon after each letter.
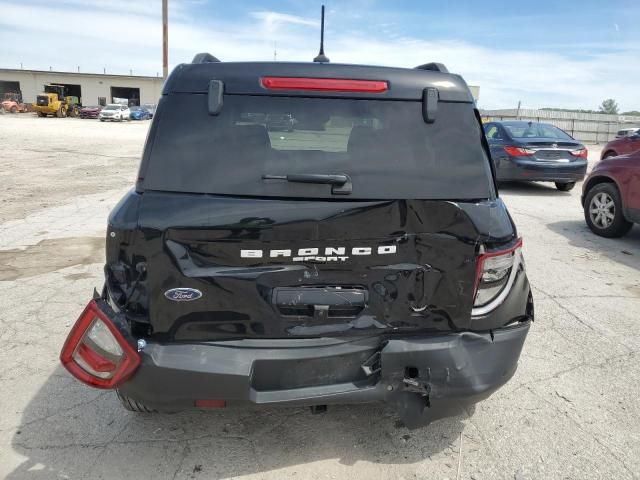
x: 90, y: 112
x: 622, y: 146
x: 611, y: 195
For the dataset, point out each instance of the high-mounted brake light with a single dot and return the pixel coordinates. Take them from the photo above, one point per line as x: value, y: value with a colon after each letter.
x: 581, y: 153
x: 324, y: 84
x: 494, y: 275
x: 96, y: 353
x: 518, y: 151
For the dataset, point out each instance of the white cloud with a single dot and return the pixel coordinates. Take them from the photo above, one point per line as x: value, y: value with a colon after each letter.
x: 273, y: 19
x: 581, y: 76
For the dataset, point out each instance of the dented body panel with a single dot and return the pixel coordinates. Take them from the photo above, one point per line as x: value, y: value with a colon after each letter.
x: 414, y: 259
x: 451, y: 371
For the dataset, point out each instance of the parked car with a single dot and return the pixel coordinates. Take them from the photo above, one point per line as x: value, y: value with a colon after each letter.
x: 139, y: 113
x: 92, y: 111
x: 621, y: 146
x: 611, y: 195
x: 625, y: 132
x: 114, y: 112
x: 151, y: 108
x: 532, y: 151
x: 319, y: 269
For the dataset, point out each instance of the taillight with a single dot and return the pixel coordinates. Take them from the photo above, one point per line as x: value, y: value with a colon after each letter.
x: 582, y: 153
x: 324, y: 84
x: 494, y: 274
x: 518, y: 151
x: 96, y: 353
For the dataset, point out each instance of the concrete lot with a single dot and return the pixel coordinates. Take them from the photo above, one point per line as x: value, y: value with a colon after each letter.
x: 571, y: 411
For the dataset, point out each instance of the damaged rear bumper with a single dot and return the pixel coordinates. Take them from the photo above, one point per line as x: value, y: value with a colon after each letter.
x: 425, y: 378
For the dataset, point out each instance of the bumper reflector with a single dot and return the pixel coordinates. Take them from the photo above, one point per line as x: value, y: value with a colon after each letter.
x: 211, y: 403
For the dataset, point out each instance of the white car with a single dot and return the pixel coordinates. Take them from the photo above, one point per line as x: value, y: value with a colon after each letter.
x: 627, y: 132
x: 114, y: 111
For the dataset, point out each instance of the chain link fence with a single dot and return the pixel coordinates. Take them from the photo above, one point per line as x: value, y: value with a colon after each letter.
x: 586, y: 127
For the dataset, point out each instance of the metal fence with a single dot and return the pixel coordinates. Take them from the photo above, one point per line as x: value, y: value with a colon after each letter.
x: 586, y: 127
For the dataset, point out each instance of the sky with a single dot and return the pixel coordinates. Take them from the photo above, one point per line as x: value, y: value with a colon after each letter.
x: 564, y: 54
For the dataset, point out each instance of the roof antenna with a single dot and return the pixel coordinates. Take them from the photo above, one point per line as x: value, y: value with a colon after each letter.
x: 321, y: 58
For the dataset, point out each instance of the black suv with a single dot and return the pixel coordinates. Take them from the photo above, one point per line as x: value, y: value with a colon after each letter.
x: 363, y: 257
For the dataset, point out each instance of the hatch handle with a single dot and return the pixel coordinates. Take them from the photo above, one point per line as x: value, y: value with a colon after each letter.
x: 430, y: 97
x: 215, y: 97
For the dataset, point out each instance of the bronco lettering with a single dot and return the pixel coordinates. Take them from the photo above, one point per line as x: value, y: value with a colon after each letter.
x: 331, y: 254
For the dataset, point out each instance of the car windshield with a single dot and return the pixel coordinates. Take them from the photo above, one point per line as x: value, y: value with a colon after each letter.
x: 535, y: 130
x: 137, y: 109
x: 112, y: 107
x: 385, y: 146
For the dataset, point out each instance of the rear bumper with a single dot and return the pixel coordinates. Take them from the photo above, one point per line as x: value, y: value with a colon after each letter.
x: 523, y: 168
x: 424, y: 377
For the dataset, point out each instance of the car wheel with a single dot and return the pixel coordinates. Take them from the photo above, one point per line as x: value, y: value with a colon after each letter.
x: 133, y: 405
x: 565, y: 186
x: 603, y: 211
x: 102, y: 119
x: 40, y: 114
x: 610, y: 153
x: 13, y: 110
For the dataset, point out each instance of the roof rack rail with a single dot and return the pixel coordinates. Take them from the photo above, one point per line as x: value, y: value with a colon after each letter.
x: 433, y: 66
x: 204, y: 58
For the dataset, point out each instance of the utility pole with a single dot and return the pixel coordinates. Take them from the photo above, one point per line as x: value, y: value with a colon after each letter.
x: 165, y: 39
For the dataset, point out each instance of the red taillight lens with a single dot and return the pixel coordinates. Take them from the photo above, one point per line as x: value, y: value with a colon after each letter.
x: 96, y: 353
x: 493, y: 270
x: 324, y: 84
x: 582, y: 153
x: 519, y: 152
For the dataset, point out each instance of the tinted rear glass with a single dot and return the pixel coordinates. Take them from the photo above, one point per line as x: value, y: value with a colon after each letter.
x: 535, y: 130
x: 384, y: 146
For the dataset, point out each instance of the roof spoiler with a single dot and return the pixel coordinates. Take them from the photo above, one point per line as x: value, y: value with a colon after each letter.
x: 204, y: 58
x: 434, y: 67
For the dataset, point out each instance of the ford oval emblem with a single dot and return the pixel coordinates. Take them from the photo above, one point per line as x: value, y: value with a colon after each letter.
x: 183, y: 294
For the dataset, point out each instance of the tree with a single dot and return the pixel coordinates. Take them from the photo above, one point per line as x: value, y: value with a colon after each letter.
x: 609, y: 106
x: 632, y: 112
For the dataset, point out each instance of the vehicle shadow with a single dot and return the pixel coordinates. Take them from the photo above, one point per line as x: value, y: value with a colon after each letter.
x: 69, y: 430
x: 625, y: 250
x: 532, y: 189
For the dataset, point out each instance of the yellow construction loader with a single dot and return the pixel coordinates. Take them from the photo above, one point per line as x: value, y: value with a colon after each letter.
x: 55, y: 101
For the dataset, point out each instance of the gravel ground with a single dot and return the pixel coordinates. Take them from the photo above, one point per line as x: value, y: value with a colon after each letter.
x: 571, y: 411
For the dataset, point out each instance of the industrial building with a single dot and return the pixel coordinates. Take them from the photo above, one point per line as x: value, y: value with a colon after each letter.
x: 90, y: 88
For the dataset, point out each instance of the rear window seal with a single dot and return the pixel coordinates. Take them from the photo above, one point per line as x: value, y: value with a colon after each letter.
x: 337, y: 198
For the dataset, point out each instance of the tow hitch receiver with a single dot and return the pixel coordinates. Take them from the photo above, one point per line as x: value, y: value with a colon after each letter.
x: 417, y: 386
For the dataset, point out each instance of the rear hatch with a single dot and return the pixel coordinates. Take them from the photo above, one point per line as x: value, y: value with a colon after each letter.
x: 245, y: 232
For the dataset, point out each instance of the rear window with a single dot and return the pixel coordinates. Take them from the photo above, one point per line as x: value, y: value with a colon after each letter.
x: 385, y: 147
x: 536, y: 130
